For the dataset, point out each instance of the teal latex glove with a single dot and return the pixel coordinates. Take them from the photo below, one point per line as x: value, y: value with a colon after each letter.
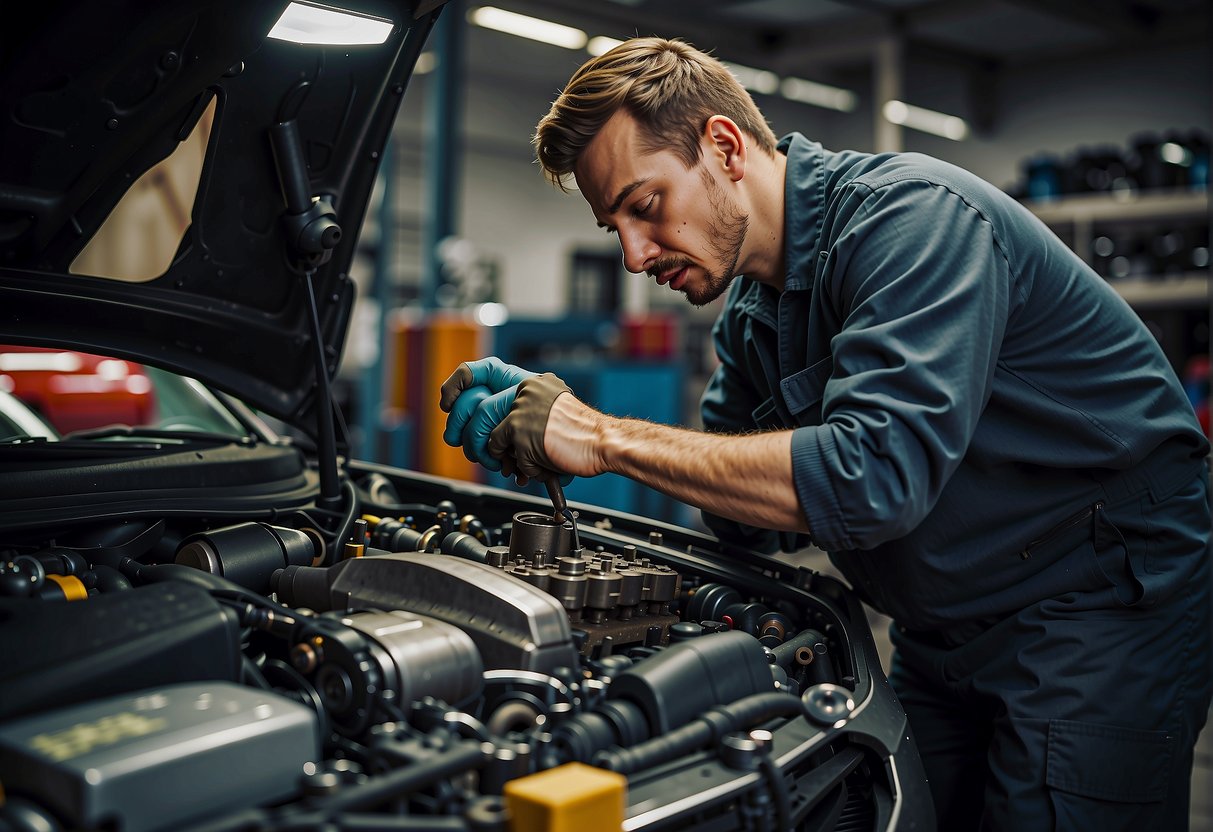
x: 476, y: 398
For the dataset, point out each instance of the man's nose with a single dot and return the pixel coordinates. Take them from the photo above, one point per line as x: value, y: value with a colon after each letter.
x: 639, y: 251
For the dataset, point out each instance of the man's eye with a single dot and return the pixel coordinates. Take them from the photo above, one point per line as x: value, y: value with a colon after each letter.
x: 642, y: 209
x: 608, y: 229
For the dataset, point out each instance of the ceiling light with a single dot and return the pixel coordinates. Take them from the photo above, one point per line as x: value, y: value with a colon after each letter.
x: 313, y: 24
x: 819, y: 95
x: 601, y: 45
x: 528, y: 27
x: 490, y: 314
x: 754, y: 80
x: 928, y: 121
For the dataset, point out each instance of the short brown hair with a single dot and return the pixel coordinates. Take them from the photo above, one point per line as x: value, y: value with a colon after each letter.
x: 668, y: 86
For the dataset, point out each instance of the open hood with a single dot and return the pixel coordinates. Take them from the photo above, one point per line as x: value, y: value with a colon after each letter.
x: 93, y: 94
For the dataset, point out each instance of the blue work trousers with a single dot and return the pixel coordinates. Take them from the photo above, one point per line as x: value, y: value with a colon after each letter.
x: 1081, y: 711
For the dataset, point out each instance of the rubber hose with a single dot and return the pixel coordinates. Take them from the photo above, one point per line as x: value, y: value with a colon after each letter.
x: 706, y: 729
x: 785, y: 653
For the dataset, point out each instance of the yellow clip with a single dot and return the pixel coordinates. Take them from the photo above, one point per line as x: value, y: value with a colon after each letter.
x: 71, y: 587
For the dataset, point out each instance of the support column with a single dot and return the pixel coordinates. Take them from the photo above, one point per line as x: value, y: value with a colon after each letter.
x: 443, y: 144
x: 887, y: 70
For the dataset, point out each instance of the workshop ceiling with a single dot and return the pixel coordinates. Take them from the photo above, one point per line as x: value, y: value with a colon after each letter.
x: 789, y: 36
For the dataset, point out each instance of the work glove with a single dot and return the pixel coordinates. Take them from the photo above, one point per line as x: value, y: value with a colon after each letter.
x: 518, y: 439
x: 476, y: 397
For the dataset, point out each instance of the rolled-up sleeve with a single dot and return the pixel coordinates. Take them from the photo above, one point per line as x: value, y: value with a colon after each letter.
x: 921, y: 285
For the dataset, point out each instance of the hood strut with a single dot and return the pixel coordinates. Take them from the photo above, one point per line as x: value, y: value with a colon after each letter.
x: 311, y: 234
x: 326, y: 439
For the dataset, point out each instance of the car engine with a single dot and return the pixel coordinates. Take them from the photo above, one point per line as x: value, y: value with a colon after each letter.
x: 433, y: 655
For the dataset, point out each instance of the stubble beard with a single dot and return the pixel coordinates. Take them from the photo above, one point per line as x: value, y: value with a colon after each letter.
x: 726, y: 235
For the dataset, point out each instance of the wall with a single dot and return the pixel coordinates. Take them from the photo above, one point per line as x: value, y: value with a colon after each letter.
x: 515, y: 217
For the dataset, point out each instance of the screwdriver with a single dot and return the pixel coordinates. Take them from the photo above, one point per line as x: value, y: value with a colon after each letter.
x: 556, y: 495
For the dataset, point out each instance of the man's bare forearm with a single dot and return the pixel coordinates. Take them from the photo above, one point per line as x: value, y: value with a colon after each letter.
x: 747, y: 478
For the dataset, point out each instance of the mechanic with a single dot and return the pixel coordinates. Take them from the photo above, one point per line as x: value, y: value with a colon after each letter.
x: 919, y: 378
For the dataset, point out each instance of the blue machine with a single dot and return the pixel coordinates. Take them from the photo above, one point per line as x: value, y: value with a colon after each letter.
x: 582, y: 351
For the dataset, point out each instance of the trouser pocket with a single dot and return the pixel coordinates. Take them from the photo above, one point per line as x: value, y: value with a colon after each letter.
x: 1105, y: 777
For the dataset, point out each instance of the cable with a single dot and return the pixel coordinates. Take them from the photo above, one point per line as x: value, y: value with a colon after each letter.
x: 779, y: 790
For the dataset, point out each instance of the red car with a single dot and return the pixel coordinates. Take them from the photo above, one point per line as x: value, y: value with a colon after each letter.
x: 76, y: 390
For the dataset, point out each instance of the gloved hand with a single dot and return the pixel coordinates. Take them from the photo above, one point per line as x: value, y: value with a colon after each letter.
x: 476, y: 397
x: 518, y: 439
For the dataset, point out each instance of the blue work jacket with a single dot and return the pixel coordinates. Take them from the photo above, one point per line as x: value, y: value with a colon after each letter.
x: 959, y: 383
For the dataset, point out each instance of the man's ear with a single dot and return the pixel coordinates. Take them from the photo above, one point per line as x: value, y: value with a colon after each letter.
x: 727, y: 145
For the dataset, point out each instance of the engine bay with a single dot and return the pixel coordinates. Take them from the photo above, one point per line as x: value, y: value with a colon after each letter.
x: 432, y: 655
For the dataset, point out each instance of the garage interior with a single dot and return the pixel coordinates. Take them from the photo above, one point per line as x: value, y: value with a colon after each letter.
x: 1059, y: 102
x: 1096, y: 115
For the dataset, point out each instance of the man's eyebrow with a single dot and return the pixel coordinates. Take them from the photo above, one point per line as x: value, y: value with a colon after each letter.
x: 623, y: 194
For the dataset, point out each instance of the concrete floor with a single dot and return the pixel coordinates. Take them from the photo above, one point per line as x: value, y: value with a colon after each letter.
x: 1201, y: 816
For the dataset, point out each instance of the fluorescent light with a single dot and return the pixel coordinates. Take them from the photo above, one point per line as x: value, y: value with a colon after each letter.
x: 928, y: 121
x: 601, y: 45
x: 313, y: 24
x: 755, y: 80
x: 819, y: 95
x: 528, y: 27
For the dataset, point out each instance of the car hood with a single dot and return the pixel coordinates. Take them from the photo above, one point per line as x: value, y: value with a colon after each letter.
x: 94, y: 94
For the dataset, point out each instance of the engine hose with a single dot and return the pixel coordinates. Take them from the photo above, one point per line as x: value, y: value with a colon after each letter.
x: 217, y: 585
x: 347, y: 522
x: 369, y: 823
x: 785, y: 653
x: 707, y: 729
x: 461, y: 757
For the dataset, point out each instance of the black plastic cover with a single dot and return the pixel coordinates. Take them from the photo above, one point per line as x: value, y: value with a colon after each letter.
x: 691, y: 677
x: 56, y: 654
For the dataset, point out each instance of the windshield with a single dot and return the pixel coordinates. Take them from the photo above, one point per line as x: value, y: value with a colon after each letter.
x: 71, y: 392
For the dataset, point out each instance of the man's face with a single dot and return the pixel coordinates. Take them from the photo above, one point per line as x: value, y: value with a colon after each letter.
x: 679, y: 226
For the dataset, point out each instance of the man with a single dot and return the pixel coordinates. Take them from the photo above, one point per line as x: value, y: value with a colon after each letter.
x: 923, y: 380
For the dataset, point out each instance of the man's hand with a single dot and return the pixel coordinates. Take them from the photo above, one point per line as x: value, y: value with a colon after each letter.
x: 519, y: 439
x: 476, y: 398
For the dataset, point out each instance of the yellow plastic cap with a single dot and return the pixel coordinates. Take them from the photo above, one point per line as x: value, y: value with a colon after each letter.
x: 571, y: 798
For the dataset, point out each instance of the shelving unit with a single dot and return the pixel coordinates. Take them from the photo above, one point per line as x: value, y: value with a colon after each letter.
x: 1081, y: 213
x: 1168, y: 303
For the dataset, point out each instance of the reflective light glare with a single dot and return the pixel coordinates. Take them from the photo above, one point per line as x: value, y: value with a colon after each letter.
x: 754, y: 80
x: 112, y: 369
x: 601, y: 45
x: 491, y: 314
x: 819, y: 95
x: 426, y: 62
x: 523, y: 26
x: 928, y: 121
x: 312, y: 24
x: 46, y: 362
x: 139, y: 385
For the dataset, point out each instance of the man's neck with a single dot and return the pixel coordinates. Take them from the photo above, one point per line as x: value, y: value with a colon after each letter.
x: 763, y: 256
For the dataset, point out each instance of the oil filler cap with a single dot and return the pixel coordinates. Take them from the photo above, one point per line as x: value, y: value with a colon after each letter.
x: 829, y: 705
